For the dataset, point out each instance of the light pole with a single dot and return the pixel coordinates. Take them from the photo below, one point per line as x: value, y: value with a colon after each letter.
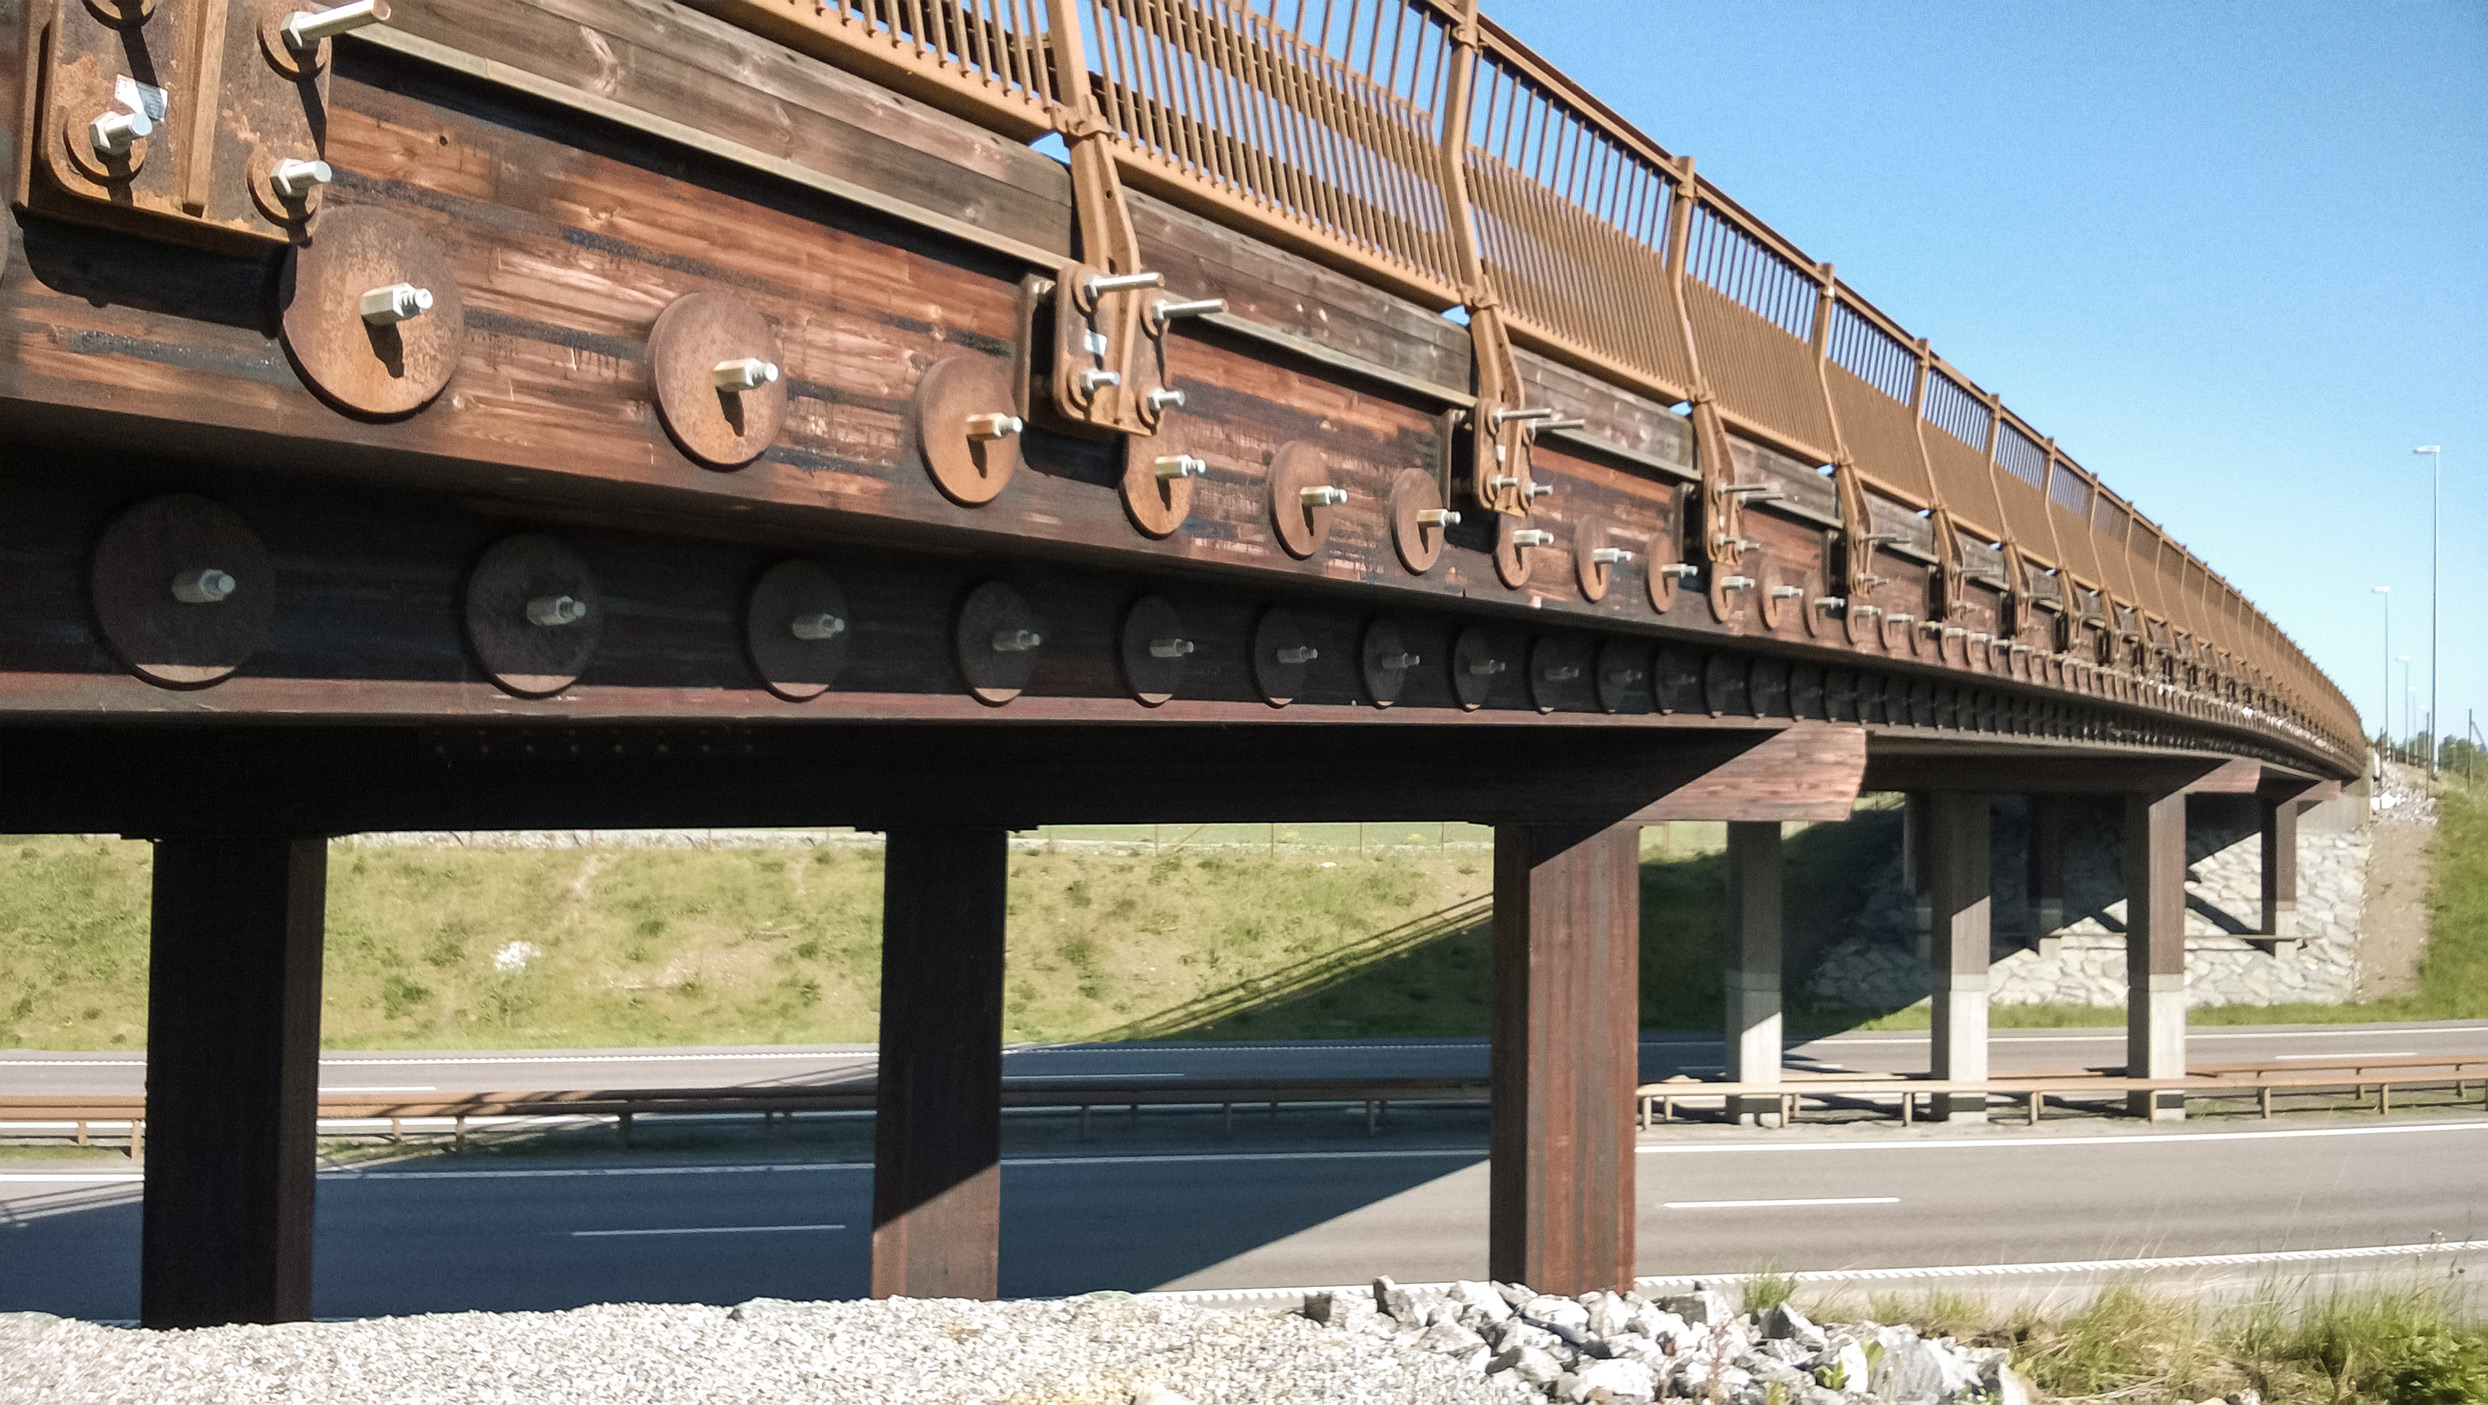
x: 2404, y: 661
x: 2436, y: 555
x: 2384, y: 720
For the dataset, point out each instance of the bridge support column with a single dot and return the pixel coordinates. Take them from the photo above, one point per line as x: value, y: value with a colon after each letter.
x: 2046, y: 868
x: 1754, y: 961
x: 233, y: 1046
x: 1958, y: 883
x: 937, y: 1135
x: 2155, y: 947
x: 1566, y: 1055
x: 1917, y: 825
x: 2280, y: 868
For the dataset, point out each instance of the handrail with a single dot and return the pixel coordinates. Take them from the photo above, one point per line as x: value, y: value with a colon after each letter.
x: 1327, y: 126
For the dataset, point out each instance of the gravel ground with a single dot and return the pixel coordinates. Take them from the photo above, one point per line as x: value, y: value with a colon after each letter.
x: 1079, y: 1352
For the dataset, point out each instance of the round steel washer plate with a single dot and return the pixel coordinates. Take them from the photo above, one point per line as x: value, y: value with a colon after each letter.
x: 970, y: 472
x: 692, y: 337
x: 525, y: 658
x: 378, y: 371
x: 1420, y: 546
x: 1153, y: 680
x: 1296, y: 466
x: 994, y: 675
x: 791, y: 667
x: 161, y: 638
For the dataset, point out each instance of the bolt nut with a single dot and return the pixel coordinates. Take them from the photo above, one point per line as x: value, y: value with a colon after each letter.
x: 994, y: 426
x: 1170, y: 648
x: 815, y: 627
x: 398, y: 302
x: 1181, y: 466
x: 205, y: 586
x: 1300, y: 653
x: 1437, y: 517
x: 1532, y: 536
x: 113, y: 133
x: 1324, y: 496
x: 553, y: 611
x: 294, y: 180
x: 744, y: 373
x: 1611, y: 556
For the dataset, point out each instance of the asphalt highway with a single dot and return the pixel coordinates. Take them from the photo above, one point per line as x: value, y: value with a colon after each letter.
x: 522, y: 1232
x: 1662, y: 1054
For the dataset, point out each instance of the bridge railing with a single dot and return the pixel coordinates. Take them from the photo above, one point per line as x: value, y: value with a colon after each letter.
x: 1422, y: 147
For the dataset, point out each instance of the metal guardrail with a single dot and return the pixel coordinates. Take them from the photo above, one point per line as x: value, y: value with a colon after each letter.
x: 1419, y: 146
x: 626, y: 1105
x: 2263, y: 1080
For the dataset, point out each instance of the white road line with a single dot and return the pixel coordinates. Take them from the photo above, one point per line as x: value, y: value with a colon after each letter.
x: 2276, y: 1256
x: 73, y: 1177
x: 714, y: 1229
x: 1836, y: 1275
x: 1079, y: 1077
x: 2397, y: 1054
x: 1763, y: 1204
x: 2007, y: 1143
x: 596, y: 1172
x: 408, y: 1088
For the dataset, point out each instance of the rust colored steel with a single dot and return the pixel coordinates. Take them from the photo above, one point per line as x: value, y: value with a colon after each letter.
x: 720, y: 382
x: 363, y: 359
x: 183, y: 590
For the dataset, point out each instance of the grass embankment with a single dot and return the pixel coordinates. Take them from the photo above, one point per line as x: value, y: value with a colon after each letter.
x: 2413, y: 1344
x: 672, y: 946
x: 2453, y: 977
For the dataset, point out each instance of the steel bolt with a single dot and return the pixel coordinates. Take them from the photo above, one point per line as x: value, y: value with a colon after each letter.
x: 1830, y: 602
x: 1092, y: 382
x: 294, y: 180
x: 1503, y: 417
x: 743, y: 373
x: 1181, y: 466
x: 1103, y: 283
x: 113, y: 133
x: 1324, y: 496
x: 1538, y: 490
x: 398, y: 302
x: 1786, y: 592
x: 1397, y: 663
x: 1560, y: 673
x: 1737, y: 583
x: 816, y: 627
x: 1486, y: 668
x: 1300, y: 653
x: 205, y: 586
x: 1531, y: 536
x: 1166, y: 310
x: 1016, y: 641
x: 555, y: 610
x: 304, y: 29
x: 1611, y: 556
x: 1622, y: 676
x: 1169, y: 648
x: 1680, y: 569
x: 1162, y: 400
x: 994, y: 426
x: 1437, y: 517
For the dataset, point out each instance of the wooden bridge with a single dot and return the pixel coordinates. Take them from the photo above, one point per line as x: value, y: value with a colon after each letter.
x: 941, y: 416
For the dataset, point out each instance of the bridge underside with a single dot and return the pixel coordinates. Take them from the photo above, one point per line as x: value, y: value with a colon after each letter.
x: 273, y: 570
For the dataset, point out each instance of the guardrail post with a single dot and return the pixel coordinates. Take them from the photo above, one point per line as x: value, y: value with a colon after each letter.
x: 937, y: 1134
x: 233, y: 1042
x: 1753, y: 967
x: 1565, y: 1057
x: 1958, y: 887
x: 2155, y: 947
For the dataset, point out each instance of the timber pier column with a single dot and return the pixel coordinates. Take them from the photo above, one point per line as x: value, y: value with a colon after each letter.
x: 1957, y: 837
x: 1917, y: 827
x: 2155, y: 947
x: 2280, y: 867
x: 937, y: 1134
x: 1566, y: 1056
x: 233, y: 1071
x: 2046, y: 869
x: 1752, y: 977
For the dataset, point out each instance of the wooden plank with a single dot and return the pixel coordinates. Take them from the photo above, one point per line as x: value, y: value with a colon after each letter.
x: 937, y: 1128
x: 1809, y: 771
x: 233, y: 1043
x: 1565, y: 1052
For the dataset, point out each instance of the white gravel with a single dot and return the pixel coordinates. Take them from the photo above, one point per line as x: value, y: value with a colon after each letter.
x: 1084, y: 1351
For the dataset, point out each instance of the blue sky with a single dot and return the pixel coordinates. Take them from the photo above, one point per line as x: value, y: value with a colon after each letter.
x: 2233, y: 256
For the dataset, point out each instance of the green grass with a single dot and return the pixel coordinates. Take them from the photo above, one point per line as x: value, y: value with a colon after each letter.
x: 2406, y: 1342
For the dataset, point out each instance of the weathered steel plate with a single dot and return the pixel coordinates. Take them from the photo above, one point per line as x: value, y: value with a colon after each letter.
x: 997, y: 641
x: 380, y: 371
x: 971, y: 465
x: 1623, y: 674
x: 1302, y: 527
x: 797, y: 627
x: 1559, y: 667
x: 1386, y: 661
x: 526, y: 641
x: 1477, y: 659
x: 1419, y: 544
x: 693, y: 336
x: 1159, y: 506
x: 1154, y: 650
x: 1280, y: 657
x: 148, y: 561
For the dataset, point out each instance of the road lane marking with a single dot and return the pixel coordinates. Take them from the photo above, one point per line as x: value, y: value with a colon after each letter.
x: 406, y: 1088
x: 2125, y: 1139
x: 711, y: 1229
x: 75, y: 1177
x: 2275, y: 1256
x: 1765, y: 1204
x: 1079, y: 1077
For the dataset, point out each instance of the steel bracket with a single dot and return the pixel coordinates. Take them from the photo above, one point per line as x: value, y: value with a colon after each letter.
x: 201, y: 122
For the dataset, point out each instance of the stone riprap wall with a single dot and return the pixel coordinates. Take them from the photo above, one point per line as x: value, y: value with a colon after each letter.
x: 1884, y: 965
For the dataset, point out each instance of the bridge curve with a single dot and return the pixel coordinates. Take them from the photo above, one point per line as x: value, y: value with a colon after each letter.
x: 596, y: 413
